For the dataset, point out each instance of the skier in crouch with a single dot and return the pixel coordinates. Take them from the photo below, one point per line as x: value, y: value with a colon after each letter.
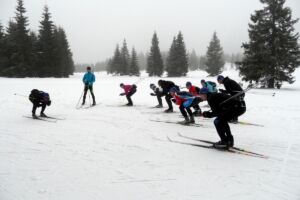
x: 129, y: 90
x: 39, y: 99
x: 88, y: 80
x: 158, y: 92
x: 231, y: 88
x: 211, y: 86
x: 185, y: 101
x: 166, y: 86
x: 194, y: 91
x: 224, y: 111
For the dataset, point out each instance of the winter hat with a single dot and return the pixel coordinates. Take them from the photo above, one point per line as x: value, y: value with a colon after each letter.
x: 173, y: 89
x: 152, y: 86
x: 204, y: 90
x: 188, y: 84
x: 220, y: 78
x: 202, y: 81
x: 160, y: 82
x: 121, y: 84
x: 88, y: 68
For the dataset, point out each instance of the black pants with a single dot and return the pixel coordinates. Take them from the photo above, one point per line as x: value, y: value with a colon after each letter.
x: 128, y: 96
x: 195, y: 104
x: 35, y: 106
x: 159, y: 97
x: 86, y: 88
x: 184, y: 111
x: 168, y: 100
x: 221, y: 122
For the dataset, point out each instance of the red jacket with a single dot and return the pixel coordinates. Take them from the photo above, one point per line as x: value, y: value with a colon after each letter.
x: 194, y: 90
x: 179, y: 100
x: 127, y: 88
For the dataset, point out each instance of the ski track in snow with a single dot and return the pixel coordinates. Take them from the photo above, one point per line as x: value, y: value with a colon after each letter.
x: 116, y: 152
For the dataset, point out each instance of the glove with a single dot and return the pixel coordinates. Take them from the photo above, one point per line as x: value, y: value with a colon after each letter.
x: 207, y: 114
x: 174, y: 100
x: 48, y: 103
x: 122, y: 94
x: 222, y: 91
x: 152, y: 94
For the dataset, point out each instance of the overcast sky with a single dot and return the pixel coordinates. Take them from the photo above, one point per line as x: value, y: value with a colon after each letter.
x: 94, y: 27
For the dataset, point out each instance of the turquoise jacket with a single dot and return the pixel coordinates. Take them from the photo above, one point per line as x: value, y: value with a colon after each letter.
x: 88, y: 78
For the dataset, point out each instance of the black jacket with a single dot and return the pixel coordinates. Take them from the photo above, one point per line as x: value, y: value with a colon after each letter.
x: 231, y: 86
x: 215, y: 102
x: 39, y: 98
x: 167, y: 85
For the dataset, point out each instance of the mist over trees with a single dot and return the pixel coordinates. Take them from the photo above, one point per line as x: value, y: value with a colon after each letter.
x: 273, y: 52
x: 27, y: 54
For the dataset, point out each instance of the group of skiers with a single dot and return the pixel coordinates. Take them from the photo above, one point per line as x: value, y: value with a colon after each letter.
x: 226, y: 105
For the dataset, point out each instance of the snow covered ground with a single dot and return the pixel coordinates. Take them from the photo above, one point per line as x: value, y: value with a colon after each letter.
x: 112, y: 152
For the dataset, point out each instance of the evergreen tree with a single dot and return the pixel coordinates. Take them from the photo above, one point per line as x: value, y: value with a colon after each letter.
x: 46, y: 46
x: 133, y: 66
x: 64, y: 61
x: 193, y: 61
x: 3, y: 53
x: 125, y: 57
x: 214, y: 57
x: 177, y: 62
x: 155, y: 65
x: 272, y: 54
x: 18, y: 46
x: 116, y: 62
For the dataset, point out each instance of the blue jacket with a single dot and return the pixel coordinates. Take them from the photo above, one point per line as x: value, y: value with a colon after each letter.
x: 88, y: 78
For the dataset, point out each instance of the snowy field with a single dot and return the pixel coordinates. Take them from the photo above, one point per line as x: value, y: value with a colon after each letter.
x: 112, y: 152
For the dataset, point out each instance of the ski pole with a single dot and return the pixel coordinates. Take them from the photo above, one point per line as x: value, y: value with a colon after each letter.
x: 22, y: 95
x: 79, y: 99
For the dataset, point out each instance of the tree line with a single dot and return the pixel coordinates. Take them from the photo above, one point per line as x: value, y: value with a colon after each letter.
x: 270, y: 57
x: 24, y: 53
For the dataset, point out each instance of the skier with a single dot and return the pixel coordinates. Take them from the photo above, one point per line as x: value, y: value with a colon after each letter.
x: 129, y: 90
x: 224, y: 112
x: 194, y: 91
x: 158, y: 92
x: 211, y: 86
x: 232, y: 88
x: 39, y: 99
x: 166, y: 86
x: 185, y: 101
x: 88, y: 80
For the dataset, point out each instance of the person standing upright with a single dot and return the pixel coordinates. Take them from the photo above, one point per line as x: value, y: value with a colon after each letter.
x: 88, y: 80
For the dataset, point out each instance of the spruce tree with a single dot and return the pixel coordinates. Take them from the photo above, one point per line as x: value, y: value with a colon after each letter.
x: 155, y: 65
x: 3, y: 57
x: 214, y: 57
x: 18, y: 46
x: 171, y: 59
x: 46, y: 46
x: 133, y: 66
x: 116, y: 62
x: 272, y: 53
x: 124, y: 59
x: 177, y: 61
x: 64, y: 61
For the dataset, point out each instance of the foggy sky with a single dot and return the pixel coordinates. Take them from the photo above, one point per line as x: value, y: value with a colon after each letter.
x: 94, y: 27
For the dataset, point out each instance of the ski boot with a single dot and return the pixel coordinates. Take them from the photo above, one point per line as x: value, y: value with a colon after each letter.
x: 158, y: 106
x: 169, y: 110
x: 221, y: 145
x: 43, y: 115
x: 34, y: 116
x: 192, y: 120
